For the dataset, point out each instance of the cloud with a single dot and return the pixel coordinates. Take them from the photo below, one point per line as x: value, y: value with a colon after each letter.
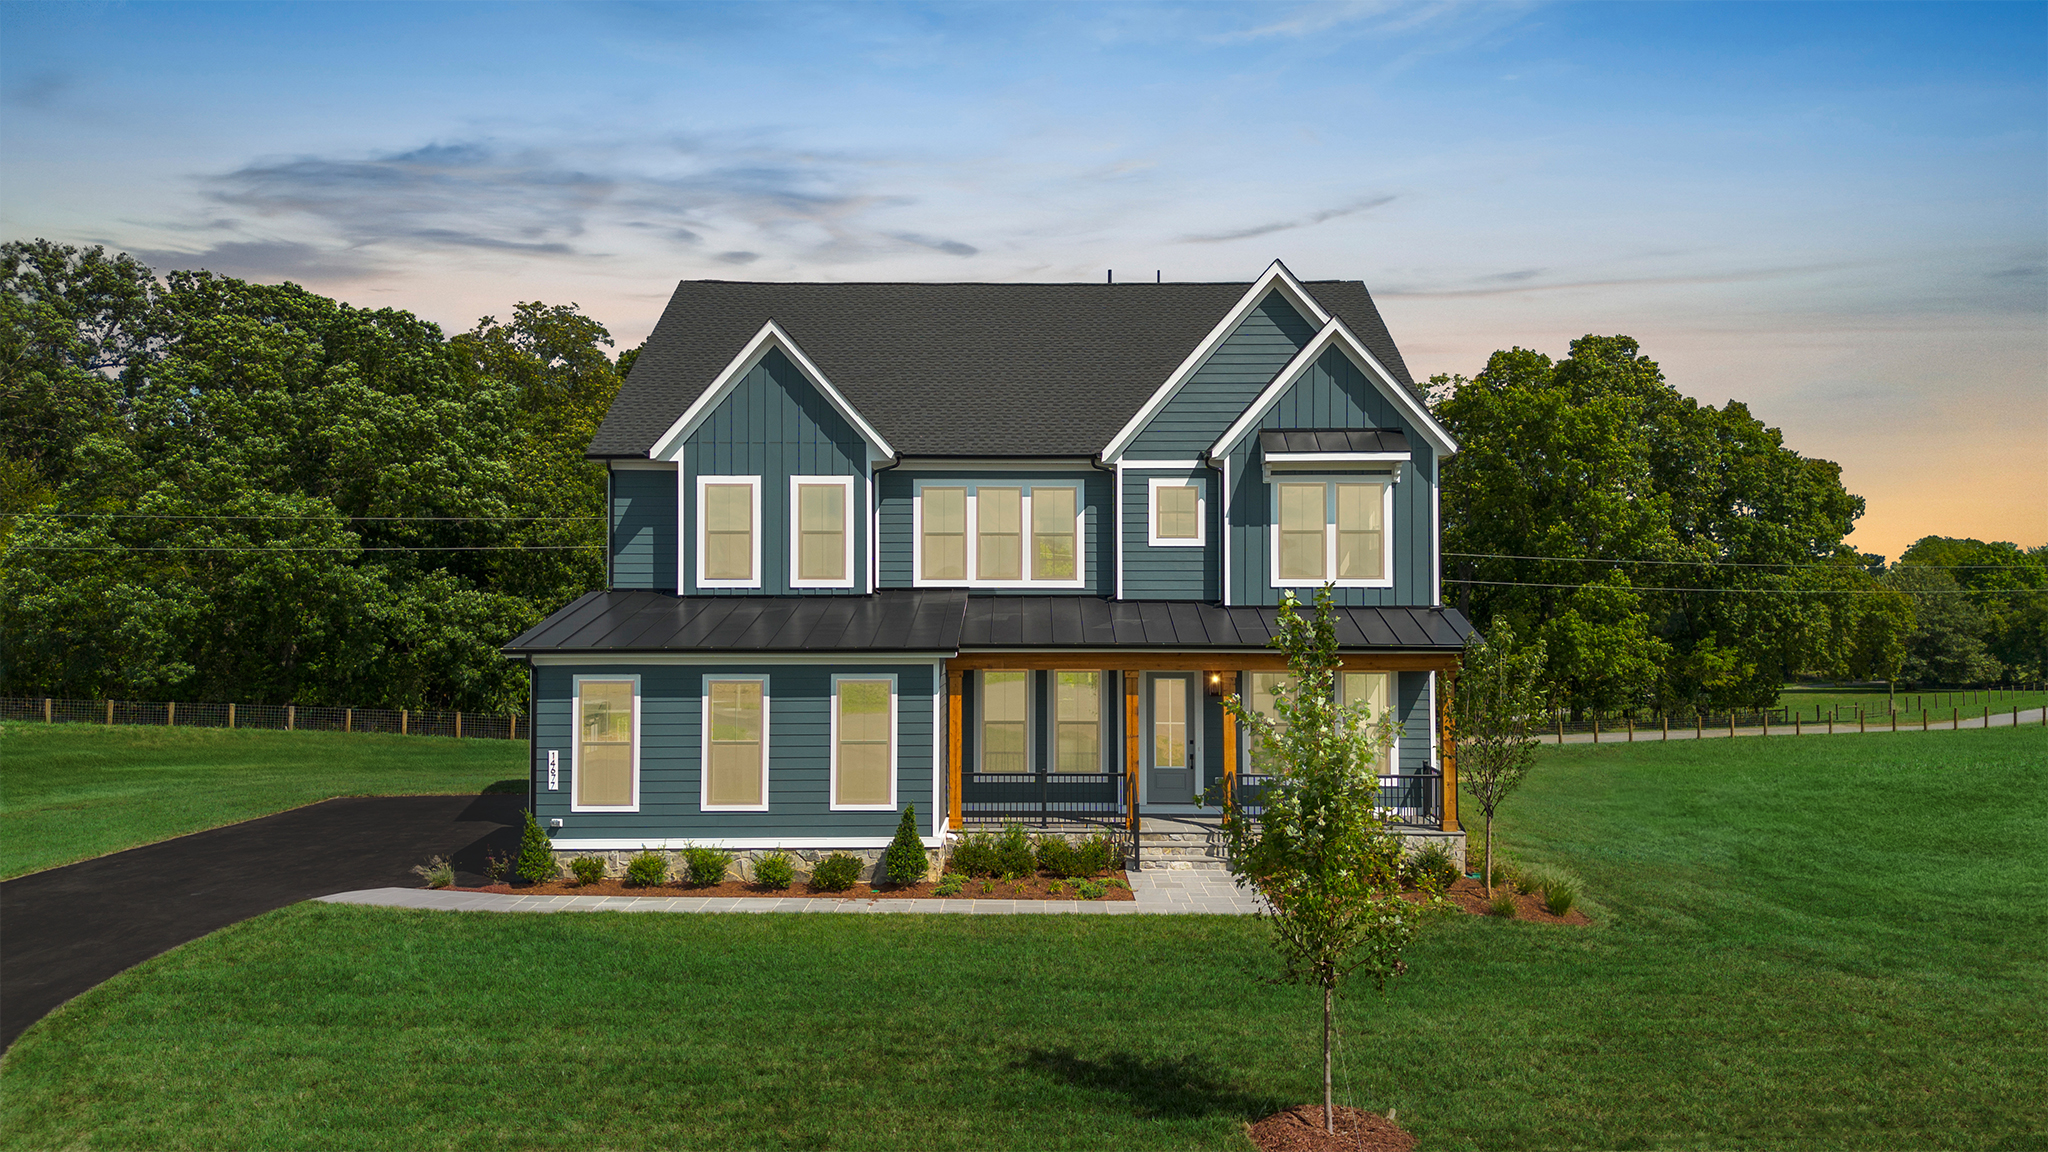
x: 1309, y: 221
x: 737, y: 257
x: 949, y: 247
x: 1515, y: 282
x: 265, y: 260
x: 39, y: 91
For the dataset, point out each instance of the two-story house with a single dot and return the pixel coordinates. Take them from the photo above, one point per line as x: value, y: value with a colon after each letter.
x: 997, y: 551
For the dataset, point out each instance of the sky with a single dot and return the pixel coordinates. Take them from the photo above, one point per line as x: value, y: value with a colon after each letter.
x: 1836, y: 214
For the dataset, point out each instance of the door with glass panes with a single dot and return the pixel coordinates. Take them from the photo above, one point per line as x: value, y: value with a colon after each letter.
x: 1172, y: 709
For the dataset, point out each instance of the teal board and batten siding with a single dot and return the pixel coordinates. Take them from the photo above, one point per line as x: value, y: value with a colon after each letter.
x: 643, y: 533
x: 896, y: 489
x: 1226, y: 384
x: 1333, y: 393
x: 671, y: 754
x: 1170, y: 572
x: 775, y: 424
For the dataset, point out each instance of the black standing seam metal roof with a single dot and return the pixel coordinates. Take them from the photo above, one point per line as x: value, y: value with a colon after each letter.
x: 945, y: 620
x: 955, y: 369
x: 1333, y: 440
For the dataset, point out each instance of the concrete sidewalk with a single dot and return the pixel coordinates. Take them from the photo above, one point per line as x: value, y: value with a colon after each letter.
x: 1185, y: 892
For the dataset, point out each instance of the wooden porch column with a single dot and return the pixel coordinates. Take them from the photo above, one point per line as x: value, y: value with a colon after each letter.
x: 1131, y: 680
x: 953, y: 680
x: 1450, y: 743
x: 1229, y: 740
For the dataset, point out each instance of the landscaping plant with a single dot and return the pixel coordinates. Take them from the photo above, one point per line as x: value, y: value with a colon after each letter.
x: 1432, y: 867
x: 837, y: 872
x: 976, y: 856
x: 587, y: 870
x: 706, y: 866
x: 646, y: 869
x: 905, y: 862
x: 775, y: 870
x: 437, y: 872
x: 1495, y: 704
x: 1098, y: 854
x: 1559, y: 895
x: 1058, y: 858
x: 536, y: 853
x: 1502, y: 906
x: 950, y: 884
x: 1014, y: 857
x: 1319, y: 852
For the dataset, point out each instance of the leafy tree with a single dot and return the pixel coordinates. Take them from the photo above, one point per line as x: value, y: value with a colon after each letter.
x: 1878, y: 651
x: 1945, y: 644
x: 1317, y: 849
x: 2008, y: 587
x: 1496, y: 703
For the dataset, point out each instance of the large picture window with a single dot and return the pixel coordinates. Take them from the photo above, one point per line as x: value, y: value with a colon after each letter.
x: 607, y: 757
x: 863, y: 744
x: 1000, y: 535
x: 821, y: 531
x: 728, y: 532
x: 1331, y: 531
x: 736, y: 745
x: 1077, y: 721
x: 1006, y: 722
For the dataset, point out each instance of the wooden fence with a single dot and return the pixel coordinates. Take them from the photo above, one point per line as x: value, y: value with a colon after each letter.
x: 280, y: 717
x: 1913, y: 711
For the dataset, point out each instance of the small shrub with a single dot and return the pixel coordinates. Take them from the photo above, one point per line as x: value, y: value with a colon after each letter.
x: 1058, y: 858
x: 1383, y: 865
x: 775, y: 870
x: 950, y: 884
x: 646, y: 869
x: 905, y: 862
x: 1502, y: 906
x: 1014, y: 856
x: 837, y: 872
x: 437, y: 872
x: 987, y: 886
x: 706, y: 866
x: 1091, y: 889
x: 1056, y: 888
x: 1525, y: 880
x: 1503, y: 871
x: 536, y: 853
x: 1432, y: 867
x: 587, y: 869
x: 976, y: 856
x: 496, y: 866
x: 1097, y: 854
x: 1559, y: 895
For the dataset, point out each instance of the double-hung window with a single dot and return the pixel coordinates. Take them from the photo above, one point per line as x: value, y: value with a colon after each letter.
x: 863, y: 743
x: 1005, y: 722
x: 1328, y: 531
x: 728, y: 531
x: 1077, y: 721
x: 735, y: 745
x: 606, y: 763
x: 821, y: 531
x: 1025, y: 535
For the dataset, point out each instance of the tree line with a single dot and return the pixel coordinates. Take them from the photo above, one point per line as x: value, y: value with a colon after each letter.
x: 212, y: 489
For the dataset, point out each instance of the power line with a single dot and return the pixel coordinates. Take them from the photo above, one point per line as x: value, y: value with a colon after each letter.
x: 1710, y: 563
x: 1768, y: 591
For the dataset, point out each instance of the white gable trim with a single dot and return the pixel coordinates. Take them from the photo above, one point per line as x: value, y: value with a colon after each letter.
x: 1335, y: 334
x: 1276, y: 276
x: 770, y: 337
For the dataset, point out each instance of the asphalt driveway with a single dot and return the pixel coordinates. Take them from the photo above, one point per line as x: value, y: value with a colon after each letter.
x: 65, y: 930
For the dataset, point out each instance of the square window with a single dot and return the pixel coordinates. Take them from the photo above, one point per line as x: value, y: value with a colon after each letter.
x: 1178, y: 513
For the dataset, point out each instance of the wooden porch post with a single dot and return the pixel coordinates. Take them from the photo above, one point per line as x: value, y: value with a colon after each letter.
x: 1131, y: 749
x: 1450, y: 744
x: 1229, y: 741
x: 953, y: 816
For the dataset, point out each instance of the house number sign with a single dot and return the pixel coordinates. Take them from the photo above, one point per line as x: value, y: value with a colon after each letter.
x: 554, y: 770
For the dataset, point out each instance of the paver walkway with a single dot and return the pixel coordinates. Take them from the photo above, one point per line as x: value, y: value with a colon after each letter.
x: 1156, y: 892
x: 66, y: 929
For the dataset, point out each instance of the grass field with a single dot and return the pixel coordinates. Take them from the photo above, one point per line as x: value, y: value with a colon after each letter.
x: 73, y: 791
x: 1939, y: 706
x: 1829, y: 944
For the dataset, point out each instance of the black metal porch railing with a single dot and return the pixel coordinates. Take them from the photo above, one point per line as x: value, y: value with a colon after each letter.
x: 1407, y: 798
x: 1043, y: 798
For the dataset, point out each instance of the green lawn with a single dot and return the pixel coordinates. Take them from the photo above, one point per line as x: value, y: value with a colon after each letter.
x: 1937, y: 705
x: 1830, y: 944
x: 69, y: 792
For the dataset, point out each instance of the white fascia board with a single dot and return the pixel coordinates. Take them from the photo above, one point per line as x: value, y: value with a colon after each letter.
x: 1277, y: 276
x: 994, y: 464
x: 1334, y: 334
x: 731, y: 657
x: 770, y: 337
x: 673, y: 843
x: 1335, y: 457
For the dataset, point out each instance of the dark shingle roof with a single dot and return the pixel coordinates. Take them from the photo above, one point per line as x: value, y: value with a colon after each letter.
x: 1333, y: 440
x: 946, y: 620
x: 955, y: 369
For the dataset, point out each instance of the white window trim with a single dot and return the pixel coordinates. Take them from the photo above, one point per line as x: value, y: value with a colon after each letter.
x: 1201, y: 487
x: 895, y: 745
x: 1106, y: 706
x: 974, y: 580
x: 846, y: 521
x: 1330, y: 534
x: 753, y: 482
x: 576, y: 744
x: 1030, y: 716
x: 704, y: 803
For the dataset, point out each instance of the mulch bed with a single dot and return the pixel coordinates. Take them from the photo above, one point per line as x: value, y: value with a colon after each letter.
x: 1035, y: 888
x: 1300, y: 1129
x: 1470, y: 895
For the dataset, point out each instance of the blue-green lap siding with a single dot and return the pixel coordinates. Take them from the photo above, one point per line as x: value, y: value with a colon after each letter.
x: 1333, y: 393
x: 896, y: 489
x: 1170, y: 572
x: 1226, y: 384
x: 775, y: 425
x: 1412, y: 708
x: 643, y: 530
x: 671, y: 753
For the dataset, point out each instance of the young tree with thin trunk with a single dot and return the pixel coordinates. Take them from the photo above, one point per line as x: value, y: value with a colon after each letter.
x: 1495, y: 704
x: 1312, y: 841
